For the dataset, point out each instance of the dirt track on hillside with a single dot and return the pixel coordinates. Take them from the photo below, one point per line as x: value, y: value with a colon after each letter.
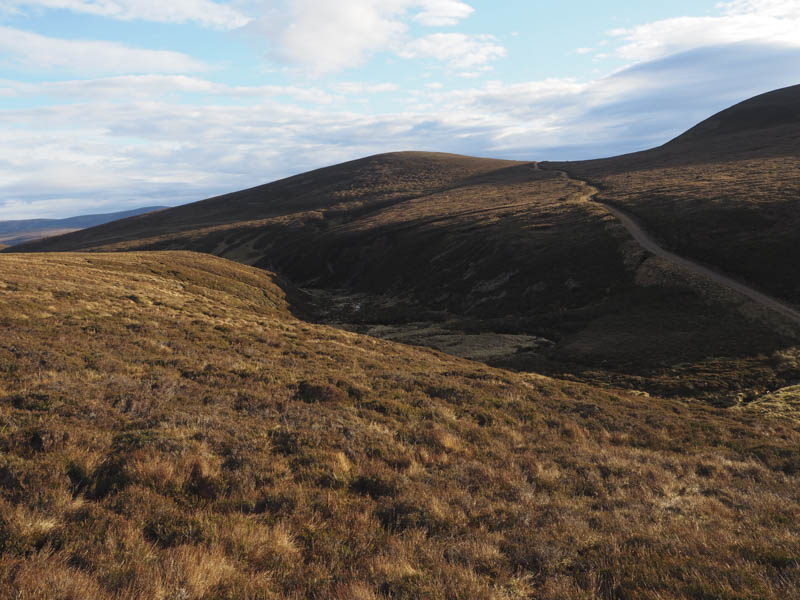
x: 649, y: 244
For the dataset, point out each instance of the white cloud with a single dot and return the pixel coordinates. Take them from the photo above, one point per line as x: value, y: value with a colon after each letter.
x: 439, y: 13
x: 323, y: 36
x: 584, y: 50
x: 769, y: 21
x: 329, y: 36
x: 769, y: 8
x: 359, y: 88
x: 153, y: 87
x: 80, y: 56
x: 459, y: 50
x: 203, y: 12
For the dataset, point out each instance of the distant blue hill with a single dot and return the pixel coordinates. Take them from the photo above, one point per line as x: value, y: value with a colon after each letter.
x: 18, y: 232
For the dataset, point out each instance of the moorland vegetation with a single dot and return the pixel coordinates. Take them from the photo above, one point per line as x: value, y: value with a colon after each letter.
x: 169, y: 429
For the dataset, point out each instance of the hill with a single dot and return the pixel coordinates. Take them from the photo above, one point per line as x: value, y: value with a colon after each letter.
x: 494, y: 260
x: 766, y: 114
x: 724, y: 193
x: 169, y: 429
x: 18, y: 232
x: 511, y: 264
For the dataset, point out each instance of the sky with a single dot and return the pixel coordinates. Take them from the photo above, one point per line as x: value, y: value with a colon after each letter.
x: 108, y: 105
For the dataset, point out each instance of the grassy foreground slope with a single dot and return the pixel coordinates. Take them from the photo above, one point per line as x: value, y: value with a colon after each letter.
x: 169, y: 430
x: 725, y: 192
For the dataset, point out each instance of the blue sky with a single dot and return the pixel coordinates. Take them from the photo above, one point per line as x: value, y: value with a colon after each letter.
x: 111, y: 104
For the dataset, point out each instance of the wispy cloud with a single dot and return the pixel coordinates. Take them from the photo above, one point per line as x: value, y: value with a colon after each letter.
x: 458, y: 50
x: 361, y: 88
x: 32, y: 50
x: 442, y: 13
x: 155, y: 87
x: 202, y: 12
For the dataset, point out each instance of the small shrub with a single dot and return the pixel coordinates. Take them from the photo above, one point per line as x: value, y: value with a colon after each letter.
x: 169, y: 528
x: 320, y: 393
x: 374, y: 486
x: 79, y: 477
x: 32, y: 401
x: 202, y: 484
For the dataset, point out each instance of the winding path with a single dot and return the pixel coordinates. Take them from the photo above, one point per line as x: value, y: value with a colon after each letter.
x: 649, y: 244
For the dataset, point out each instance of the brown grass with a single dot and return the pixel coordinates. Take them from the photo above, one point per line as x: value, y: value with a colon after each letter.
x: 169, y: 430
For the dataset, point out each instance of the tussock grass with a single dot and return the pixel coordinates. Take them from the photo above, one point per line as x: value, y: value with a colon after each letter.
x: 199, y: 441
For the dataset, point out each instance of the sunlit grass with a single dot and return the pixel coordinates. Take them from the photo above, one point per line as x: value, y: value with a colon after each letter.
x: 169, y: 430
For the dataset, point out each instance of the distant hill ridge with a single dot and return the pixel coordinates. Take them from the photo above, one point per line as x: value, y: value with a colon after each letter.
x: 20, y: 231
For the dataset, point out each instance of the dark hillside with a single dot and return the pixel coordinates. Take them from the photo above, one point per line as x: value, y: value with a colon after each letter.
x: 473, y: 237
x: 776, y: 109
x: 726, y: 193
x: 363, y: 185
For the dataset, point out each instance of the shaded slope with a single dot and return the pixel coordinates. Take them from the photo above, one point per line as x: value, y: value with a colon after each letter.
x: 776, y: 109
x: 167, y: 429
x: 18, y: 232
x: 725, y: 193
x: 469, y: 236
x: 644, y: 239
x: 363, y: 185
x: 648, y: 244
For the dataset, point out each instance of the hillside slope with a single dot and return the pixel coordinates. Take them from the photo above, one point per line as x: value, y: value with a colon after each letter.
x: 724, y: 193
x: 363, y: 186
x: 169, y: 430
x: 495, y: 260
x: 443, y: 231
